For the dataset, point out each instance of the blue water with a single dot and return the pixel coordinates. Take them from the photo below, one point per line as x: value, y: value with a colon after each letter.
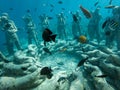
x: 17, y: 9
x: 65, y: 54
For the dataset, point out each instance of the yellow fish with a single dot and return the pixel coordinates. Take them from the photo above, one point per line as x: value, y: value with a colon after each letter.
x: 82, y: 39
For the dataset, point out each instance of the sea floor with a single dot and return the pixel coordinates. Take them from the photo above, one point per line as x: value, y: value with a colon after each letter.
x: 101, y: 71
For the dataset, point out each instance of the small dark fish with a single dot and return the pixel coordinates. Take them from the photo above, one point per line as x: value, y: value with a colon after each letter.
x: 74, y: 17
x: 46, y: 71
x: 10, y: 9
x: 110, y: 2
x: 96, y: 3
x: 60, y: 2
x: 47, y: 50
x: 104, y: 24
x: 50, y: 18
x: 63, y: 8
x: 82, y: 62
x: 101, y: 76
x: 51, y: 10
x: 28, y: 11
x: 47, y: 36
x: 23, y: 68
x: 52, y: 5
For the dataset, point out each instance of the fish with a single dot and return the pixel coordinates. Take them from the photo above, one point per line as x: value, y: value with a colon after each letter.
x: 63, y: 8
x: 47, y: 50
x: 11, y: 9
x: 82, y: 62
x: 48, y: 36
x: 28, y: 11
x: 46, y: 71
x: 50, y: 18
x: 23, y: 68
x: 85, y: 12
x: 60, y: 2
x: 74, y: 17
x: 82, y: 39
x: 109, y: 7
x: 111, y: 22
x: 110, y: 2
x: 51, y: 10
x: 52, y: 5
x: 101, y: 76
x: 114, y: 24
x: 104, y: 24
x: 96, y: 3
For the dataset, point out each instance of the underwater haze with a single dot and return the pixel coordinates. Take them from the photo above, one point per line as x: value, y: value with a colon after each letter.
x: 17, y: 9
x: 60, y: 45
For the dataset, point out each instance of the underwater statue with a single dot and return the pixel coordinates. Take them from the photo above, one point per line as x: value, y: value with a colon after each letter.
x: 31, y: 29
x: 93, y: 26
x: 8, y: 26
x: 61, y: 26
